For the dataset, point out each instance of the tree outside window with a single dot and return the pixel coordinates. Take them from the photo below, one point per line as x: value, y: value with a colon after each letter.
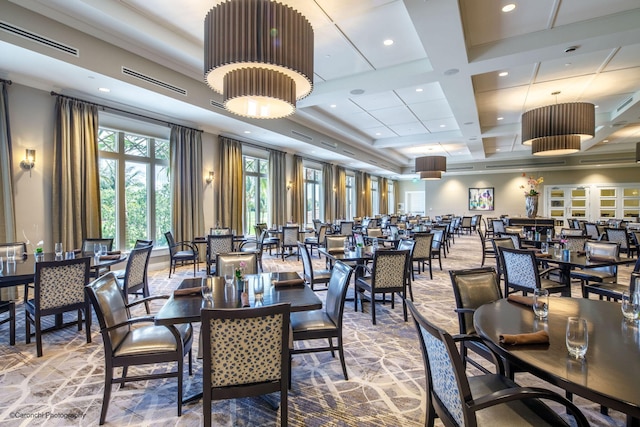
x: 256, y: 183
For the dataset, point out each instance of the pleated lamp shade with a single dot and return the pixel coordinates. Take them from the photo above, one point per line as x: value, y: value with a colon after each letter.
x: 431, y: 163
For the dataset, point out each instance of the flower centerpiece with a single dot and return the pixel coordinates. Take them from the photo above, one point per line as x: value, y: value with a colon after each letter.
x: 37, y: 248
x: 240, y: 273
x: 531, y: 194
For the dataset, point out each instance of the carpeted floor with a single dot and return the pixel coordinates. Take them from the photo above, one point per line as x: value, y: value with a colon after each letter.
x: 385, y: 387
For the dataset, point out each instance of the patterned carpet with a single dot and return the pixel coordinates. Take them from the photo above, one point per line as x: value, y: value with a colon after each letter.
x: 385, y: 387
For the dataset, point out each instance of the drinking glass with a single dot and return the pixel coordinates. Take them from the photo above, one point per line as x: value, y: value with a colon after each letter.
x: 229, y: 275
x: 58, y: 249
x: 97, y: 248
x: 70, y: 255
x: 541, y: 303
x: 577, y: 337
x: 544, y: 247
x: 11, y: 253
x: 207, y: 289
x: 630, y: 306
x: 1, y: 265
x: 258, y: 289
x: 103, y: 249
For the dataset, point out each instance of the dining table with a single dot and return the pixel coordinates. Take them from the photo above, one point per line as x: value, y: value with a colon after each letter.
x: 608, y: 374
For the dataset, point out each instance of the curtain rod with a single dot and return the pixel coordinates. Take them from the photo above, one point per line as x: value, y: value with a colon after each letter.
x: 250, y: 144
x: 9, y: 82
x: 118, y: 110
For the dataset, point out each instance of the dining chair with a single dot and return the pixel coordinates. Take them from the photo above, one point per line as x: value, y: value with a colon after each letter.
x: 408, y: 245
x: 572, y: 232
x: 181, y: 252
x: 388, y: 275
x: 268, y: 242
x: 422, y: 252
x: 436, y: 246
x: 513, y: 236
x: 9, y: 307
x: 317, y: 240
x: 312, y: 277
x: 521, y: 273
x: 136, y: 341
x: 614, y: 290
x: 497, y: 243
x: 593, y: 231
x: 465, y: 225
x: 472, y: 288
x: 217, y: 244
x: 481, y: 400
x: 488, y: 250
x: 246, y: 353
x: 234, y: 260
x: 256, y: 246
x: 621, y: 237
x: 88, y: 249
x: 498, y: 226
x: 327, y: 322
x: 19, y: 248
x: 135, y: 274
x: 346, y: 229
x: 289, y: 242
x: 333, y: 243
x: 57, y: 289
x: 575, y: 243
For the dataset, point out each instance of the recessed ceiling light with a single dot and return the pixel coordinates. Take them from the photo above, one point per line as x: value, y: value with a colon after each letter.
x: 451, y: 71
x: 508, y: 7
x: 104, y: 89
x: 500, y: 118
x: 605, y: 140
x: 333, y: 105
x: 357, y: 92
x: 442, y: 126
x: 419, y: 89
x: 497, y: 149
x: 388, y: 42
x: 247, y: 131
x: 596, y: 106
x: 378, y: 134
x: 503, y: 74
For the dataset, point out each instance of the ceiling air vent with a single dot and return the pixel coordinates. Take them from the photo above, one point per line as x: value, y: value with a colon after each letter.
x: 350, y: 153
x: 373, y: 161
x: 607, y: 161
x: 329, y: 144
x: 215, y: 103
x: 527, y: 165
x: 624, y: 104
x: 156, y: 82
x: 21, y: 32
x: 302, y: 135
x: 459, y: 168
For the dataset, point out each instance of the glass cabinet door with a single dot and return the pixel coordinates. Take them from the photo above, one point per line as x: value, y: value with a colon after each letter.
x: 567, y: 202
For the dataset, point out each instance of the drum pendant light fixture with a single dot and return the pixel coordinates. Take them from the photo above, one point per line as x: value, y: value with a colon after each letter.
x: 430, y: 175
x: 259, y: 55
x: 431, y: 163
x: 559, y: 128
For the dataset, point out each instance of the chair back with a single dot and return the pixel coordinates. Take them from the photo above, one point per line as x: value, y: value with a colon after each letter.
x: 171, y: 242
x: 389, y: 269
x: 575, y: 243
x: 466, y: 222
x: 374, y: 232
x: 110, y: 308
x: 224, y: 261
x: 438, y: 236
x: 337, y: 291
x: 592, y: 230
x: 88, y: 244
x: 322, y: 232
x: 619, y: 236
x: 447, y: 383
x: 475, y: 220
x: 220, y: 231
x: 498, y: 226
x: 346, y: 228
x: 260, y: 227
x: 515, y: 237
x: 307, y: 265
x: 20, y: 248
x: 572, y: 232
x: 604, y: 250
x: 407, y: 245
x: 422, y: 249
x: 219, y: 244
x: 473, y: 288
x: 520, y: 268
x: 245, y: 346
x: 289, y: 236
x: 142, y: 243
x: 135, y: 274
x: 60, y: 283
x: 334, y: 242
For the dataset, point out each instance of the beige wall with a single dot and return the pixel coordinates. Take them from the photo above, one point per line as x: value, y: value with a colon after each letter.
x: 450, y: 195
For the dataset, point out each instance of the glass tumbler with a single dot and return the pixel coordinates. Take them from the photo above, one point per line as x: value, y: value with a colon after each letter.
x: 630, y: 305
x: 58, y: 249
x: 577, y: 337
x: 541, y: 303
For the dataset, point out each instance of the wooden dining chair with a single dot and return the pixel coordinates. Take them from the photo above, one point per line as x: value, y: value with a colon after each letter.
x: 481, y: 400
x: 181, y: 252
x: 135, y: 274
x: 312, y: 277
x: 521, y: 273
x: 217, y: 244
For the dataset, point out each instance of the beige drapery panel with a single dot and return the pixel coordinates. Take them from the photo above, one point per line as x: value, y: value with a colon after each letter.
x: 297, y: 191
x: 7, y: 211
x: 361, y: 207
x: 76, y: 178
x: 396, y: 196
x: 341, y: 193
x: 383, y: 197
x: 230, y: 206
x: 366, y: 198
x: 329, y: 193
x: 187, y: 219
x: 278, y: 187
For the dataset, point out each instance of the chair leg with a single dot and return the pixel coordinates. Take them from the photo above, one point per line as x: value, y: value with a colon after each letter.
x: 331, y: 347
x: 12, y: 324
x: 341, y: 355
x: 190, y: 362
x: 87, y: 322
x: 180, y: 375
x: 284, y: 407
x: 108, y: 378
x: 38, y: 336
x: 373, y: 308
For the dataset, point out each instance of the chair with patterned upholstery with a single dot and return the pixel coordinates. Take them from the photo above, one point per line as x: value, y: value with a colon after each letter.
x: 498, y: 227
x: 409, y: 245
x: 572, y: 232
x: 181, y: 252
x: 575, y: 243
x: 312, y: 277
x: 497, y: 243
x: 388, y: 275
x: 135, y: 274
x: 88, y: 249
x: 217, y: 244
x: 317, y: 240
x: 289, y: 242
x: 422, y: 252
x: 593, y: 231
x: 57, y: 289
x: 481, y: 400
x: 621, y: 237
x: 325, y: 323
x: 246, y: 353
x: 521, y: 273
x: 135, y: 341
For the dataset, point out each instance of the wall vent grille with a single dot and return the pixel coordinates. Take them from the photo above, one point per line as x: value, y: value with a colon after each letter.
x: 21, y: 32
x: 302, y: 135
x: 156, y: 82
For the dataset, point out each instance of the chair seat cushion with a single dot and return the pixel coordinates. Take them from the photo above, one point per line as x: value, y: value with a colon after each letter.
x: 184, y: 254
x: 364, y: 282
x: 531, y: 412
x: 311, y: 240
x: 151, y: 339
x: 315, y: 320
x: 613, y: 290
x: 321, y: 275
x: 592, y: 275
x: 551, y: 284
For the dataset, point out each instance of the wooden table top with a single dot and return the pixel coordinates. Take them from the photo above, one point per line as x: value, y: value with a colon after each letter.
x: 609, y: 373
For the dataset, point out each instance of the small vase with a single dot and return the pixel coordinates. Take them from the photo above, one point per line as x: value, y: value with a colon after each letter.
x: 531, y: 206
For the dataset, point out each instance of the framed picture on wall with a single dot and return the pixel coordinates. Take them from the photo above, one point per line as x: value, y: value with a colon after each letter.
x: 481, y: 199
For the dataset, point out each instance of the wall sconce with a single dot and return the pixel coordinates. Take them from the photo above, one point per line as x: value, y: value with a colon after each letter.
x: 29, y: 160
x: 210, y: 177
x: 289, y: 185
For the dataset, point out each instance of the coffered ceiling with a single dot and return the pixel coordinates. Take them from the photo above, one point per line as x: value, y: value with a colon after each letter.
x: 454, y: 82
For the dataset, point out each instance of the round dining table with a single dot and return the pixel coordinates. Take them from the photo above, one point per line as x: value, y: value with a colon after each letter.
x: 610, y: 372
